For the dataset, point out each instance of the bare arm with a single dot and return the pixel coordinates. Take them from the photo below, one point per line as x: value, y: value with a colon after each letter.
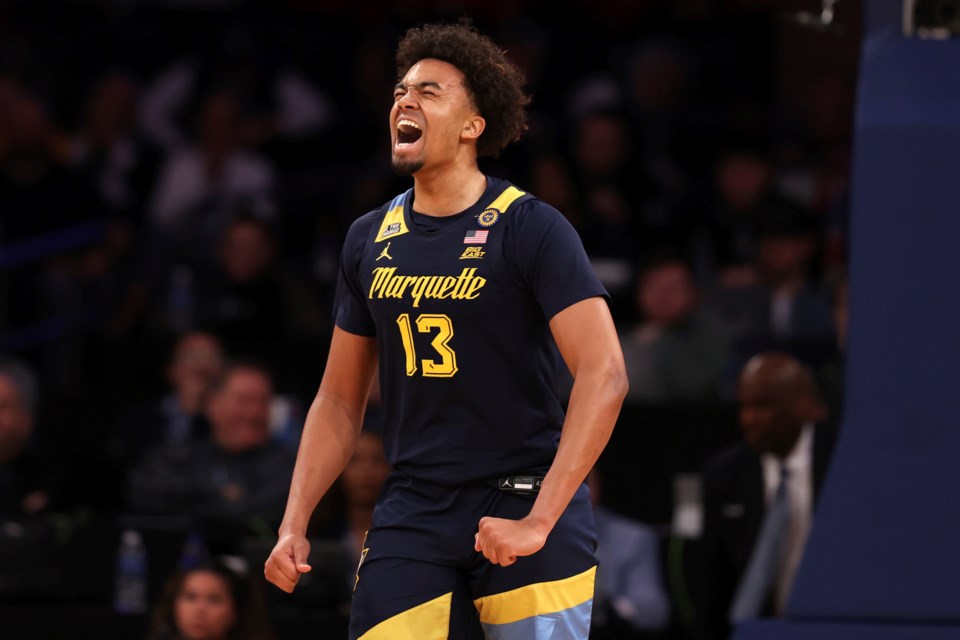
x: 329, y: 436
x: 587, y: 339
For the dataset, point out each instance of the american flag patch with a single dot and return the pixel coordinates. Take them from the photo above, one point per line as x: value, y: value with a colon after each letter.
x: 476, y: 236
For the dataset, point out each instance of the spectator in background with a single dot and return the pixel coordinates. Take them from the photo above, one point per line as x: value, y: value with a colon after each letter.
x: 787, y: 249
x: 111, y: 154
x: 279, y: 100
x: 248, y: 299
x: 210, y: 602
x: 779, y: 468
x: 785, y: 308
x: 742, y: 183
x: 38, y: 195
x: 177, y: 418
x: 237, y: 481
x: 202, y: 184
x: 679, y: 349
x: 27, y: 482
x: 610, y: 185
x: 630, y: 600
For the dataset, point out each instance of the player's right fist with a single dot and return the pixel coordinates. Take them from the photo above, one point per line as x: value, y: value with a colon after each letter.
x: 287, y: 561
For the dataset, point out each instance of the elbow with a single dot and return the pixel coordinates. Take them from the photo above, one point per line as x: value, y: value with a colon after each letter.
x: 615, y: 379
x: 620, y: 381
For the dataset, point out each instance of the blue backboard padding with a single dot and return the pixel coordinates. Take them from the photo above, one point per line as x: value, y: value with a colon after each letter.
x: 885, y: 541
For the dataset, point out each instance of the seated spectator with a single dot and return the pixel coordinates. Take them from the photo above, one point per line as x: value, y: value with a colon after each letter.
x: 785, y: 304
x: 210, y: 602
x: 237, y: 480
x: 205, y: 181
x: 111, y: 154
x: 760, y: 495
x: 679, y: 349
x: 785, y: 310
x: 630, y: 598
x: 248, y: 298
x: 178, y: 417
x: 30, y: 488
x: 27, y: 482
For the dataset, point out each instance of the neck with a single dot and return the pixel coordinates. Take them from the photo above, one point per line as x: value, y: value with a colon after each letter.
x: 786, y: 448
x: 448, y: 190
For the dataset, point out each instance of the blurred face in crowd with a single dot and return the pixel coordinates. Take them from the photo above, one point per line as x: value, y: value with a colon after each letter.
x: 657, y: 80
x: 667, y: 295
x: 776, y: 399
x: 246, y: 252
x: 601, y: 145
x: 15, y: 420
x: 197, y: 361
x: 743, y: 179
x: 204, y: 608
x: 240, y: 410
x: 366, y: 472
x: 432, y: 115
x: 782, y: 256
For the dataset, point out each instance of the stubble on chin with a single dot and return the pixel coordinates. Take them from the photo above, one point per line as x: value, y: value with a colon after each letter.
x: 406, y: 167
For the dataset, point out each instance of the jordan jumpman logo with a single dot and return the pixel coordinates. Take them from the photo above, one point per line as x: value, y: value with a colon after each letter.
x: 385, y: 253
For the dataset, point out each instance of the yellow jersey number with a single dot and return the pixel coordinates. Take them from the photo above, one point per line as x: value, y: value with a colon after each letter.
x: 446, y: 366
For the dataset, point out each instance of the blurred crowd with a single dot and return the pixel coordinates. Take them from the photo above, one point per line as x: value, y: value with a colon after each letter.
x: 176, y: 179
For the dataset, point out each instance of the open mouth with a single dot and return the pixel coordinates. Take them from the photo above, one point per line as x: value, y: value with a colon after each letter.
x: 408, y: 132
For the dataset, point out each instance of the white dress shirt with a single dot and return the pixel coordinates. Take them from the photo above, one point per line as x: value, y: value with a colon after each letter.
x: 799, y: 464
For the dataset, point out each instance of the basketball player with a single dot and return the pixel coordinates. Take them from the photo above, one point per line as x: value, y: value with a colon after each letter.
x: 462, y: 289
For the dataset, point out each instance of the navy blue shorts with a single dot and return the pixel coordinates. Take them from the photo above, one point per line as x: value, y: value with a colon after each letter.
x: 421, y: 578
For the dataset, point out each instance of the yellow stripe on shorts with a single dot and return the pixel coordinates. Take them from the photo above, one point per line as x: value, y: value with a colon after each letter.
x: 427, y: 621
x: 536, y: 599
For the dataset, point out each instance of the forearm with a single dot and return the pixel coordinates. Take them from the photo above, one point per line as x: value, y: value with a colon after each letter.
x: 329, y: 436
x: 592, y: 412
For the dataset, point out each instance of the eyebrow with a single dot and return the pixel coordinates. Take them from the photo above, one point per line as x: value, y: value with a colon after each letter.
x: 419, y: 85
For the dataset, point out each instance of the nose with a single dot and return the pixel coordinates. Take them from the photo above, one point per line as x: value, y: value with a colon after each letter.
x: 408, y: 101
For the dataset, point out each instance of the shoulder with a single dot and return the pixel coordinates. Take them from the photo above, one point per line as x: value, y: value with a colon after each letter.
x: 532, y: 220
x: 532, y: 209
x: 361, y: 228
x: 729, y: 463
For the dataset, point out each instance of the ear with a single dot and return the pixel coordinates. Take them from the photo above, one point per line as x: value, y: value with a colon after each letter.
x: 472, y: 128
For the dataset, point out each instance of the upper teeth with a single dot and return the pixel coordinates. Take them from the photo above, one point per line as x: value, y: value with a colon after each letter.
x: 409, y: 123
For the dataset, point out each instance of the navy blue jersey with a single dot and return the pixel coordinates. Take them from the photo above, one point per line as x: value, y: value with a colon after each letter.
x: 459, y: 306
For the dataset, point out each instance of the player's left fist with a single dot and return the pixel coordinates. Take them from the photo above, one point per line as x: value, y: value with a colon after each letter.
x: 502, y: 541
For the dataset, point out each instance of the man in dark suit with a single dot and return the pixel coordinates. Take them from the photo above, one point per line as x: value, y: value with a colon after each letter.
x: 783, y: 459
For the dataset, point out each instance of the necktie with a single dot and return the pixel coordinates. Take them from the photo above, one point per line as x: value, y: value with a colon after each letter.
x: 759, y: 578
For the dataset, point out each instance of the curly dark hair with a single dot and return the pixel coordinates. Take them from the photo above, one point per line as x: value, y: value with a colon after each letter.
x: 493, y: 82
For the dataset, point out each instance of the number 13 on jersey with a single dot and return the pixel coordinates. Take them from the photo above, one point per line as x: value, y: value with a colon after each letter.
x: 446, y: 367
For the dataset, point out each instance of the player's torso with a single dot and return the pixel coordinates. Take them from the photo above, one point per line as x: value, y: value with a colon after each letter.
x: 460, y: 337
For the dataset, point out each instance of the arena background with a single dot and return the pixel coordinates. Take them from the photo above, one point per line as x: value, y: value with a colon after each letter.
x: 690, y: 128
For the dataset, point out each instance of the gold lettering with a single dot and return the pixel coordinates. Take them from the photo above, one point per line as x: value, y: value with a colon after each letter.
x: 381, y: 275
x: 444, y: 290
x: 387, y: 284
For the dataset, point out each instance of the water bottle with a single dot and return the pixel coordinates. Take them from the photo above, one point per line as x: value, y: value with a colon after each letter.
x: 130, y: 595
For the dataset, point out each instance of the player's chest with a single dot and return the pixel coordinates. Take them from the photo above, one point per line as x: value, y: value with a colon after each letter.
x: 457, y: 267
